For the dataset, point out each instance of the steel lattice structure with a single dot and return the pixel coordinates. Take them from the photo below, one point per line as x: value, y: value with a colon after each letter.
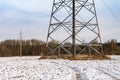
x: 74, y: 23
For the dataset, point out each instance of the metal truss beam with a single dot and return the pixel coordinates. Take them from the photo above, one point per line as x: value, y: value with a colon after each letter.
x: 73, y: 21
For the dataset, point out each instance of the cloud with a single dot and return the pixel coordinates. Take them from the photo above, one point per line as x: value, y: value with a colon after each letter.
x: 13, y: 15
x: 30, y: 5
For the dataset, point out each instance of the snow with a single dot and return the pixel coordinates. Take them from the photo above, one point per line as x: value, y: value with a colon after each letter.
x: 114, y: 57
x: 31, y: 68
x: 21, y: 69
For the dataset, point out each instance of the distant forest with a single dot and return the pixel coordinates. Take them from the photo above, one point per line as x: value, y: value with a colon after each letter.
x: 35, y: 47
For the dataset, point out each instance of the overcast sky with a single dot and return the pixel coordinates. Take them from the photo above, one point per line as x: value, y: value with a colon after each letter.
x: 32, y: 17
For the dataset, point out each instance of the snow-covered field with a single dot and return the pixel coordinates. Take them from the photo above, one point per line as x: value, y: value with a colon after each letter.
x: 30, y: 68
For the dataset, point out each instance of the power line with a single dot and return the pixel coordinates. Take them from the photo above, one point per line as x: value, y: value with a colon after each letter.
x: 6, y: 34
x: 110, y: 10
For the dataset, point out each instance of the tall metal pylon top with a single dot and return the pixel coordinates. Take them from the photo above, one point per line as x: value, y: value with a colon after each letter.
x: 73, y: 28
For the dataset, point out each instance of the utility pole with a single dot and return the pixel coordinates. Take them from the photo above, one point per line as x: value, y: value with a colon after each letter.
x: 20, y: 43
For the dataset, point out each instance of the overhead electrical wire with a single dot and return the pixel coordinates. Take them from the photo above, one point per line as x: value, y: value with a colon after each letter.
x: 5, y: 34
x: 111, y: 11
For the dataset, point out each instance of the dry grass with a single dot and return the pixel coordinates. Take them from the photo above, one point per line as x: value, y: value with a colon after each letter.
x: 78, y: 57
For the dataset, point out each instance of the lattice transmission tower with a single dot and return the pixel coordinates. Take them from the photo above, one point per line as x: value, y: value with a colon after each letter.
x: 73, y: 28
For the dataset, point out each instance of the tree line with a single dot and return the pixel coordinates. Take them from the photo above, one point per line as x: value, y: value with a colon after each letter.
x: 35, y: 47
x: 29, y: 47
